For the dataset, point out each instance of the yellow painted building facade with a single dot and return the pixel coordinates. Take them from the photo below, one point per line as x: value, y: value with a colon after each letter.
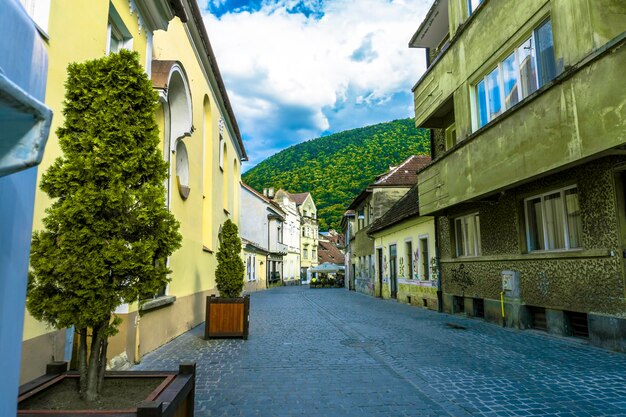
x: 200, y: 139
x: 405, y: 254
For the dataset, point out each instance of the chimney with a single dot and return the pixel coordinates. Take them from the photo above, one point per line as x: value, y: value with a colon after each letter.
x: 270, y: 192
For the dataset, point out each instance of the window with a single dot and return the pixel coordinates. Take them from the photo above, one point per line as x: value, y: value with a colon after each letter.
x: 314, y: 254
x: 118, y: 36
x: 521, y: 73
x: 361, y: 218
x: 472, y: 5
x: 408, y: 254
x: 425, y: 256
x: 451, y: 136
x: 251, y: 267
x: 553, y: 221
x: 222, y: 146
x: 305, y: 253
x: 467, y: 234
x: 39, y: 11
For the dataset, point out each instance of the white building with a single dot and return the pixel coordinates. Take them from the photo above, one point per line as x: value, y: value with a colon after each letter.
x: 261, y: 230
x: 291, y: 234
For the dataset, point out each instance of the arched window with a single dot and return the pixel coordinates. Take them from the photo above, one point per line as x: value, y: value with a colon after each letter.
x: 170, y: 80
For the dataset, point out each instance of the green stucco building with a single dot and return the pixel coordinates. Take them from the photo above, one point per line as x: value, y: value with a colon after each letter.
x: 527, y: 102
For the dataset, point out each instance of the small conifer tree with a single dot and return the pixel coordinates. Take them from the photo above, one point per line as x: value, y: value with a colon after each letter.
x: 230, y: 268
x: 108, y: 233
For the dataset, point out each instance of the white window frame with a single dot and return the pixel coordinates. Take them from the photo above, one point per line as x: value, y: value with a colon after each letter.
x: 409, y: 274
x: 541, y: 196
x: 477, y: 237
x: 39, y: 12
x: 222, y: 145
x: 116, y: 28
x: 474, y: 90
x: 471, y: 11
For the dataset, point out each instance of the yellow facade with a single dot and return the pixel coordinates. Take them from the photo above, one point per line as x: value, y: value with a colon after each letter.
x: 308, y: 237
x: 414, y: 240
x: 194, y: 114
x: 255, y: 262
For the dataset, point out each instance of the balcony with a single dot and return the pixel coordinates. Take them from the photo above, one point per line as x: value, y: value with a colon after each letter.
x: 280, y: 248
x: 577, y: 117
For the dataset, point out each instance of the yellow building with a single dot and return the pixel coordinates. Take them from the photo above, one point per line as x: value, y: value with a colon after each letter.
x: 404, y: 244
x: 200, y: 140
x: 309, y: 234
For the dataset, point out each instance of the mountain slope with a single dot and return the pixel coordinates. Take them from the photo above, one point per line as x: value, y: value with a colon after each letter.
x: 337, y: 167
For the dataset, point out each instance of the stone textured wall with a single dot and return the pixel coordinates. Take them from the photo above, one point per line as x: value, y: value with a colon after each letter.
x: 438, y: 145
x: 591, y: 282
x: 362, y: 245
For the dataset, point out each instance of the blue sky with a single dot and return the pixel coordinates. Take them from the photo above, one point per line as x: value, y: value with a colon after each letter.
x: 299, y: 69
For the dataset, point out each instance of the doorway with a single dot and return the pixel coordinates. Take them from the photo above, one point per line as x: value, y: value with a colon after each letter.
x: 425, y: 255
x: 393, y: 276
x: 351, y: 283
x: 379, y: 256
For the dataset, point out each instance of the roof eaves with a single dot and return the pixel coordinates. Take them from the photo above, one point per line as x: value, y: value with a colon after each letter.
x: 199, y: 23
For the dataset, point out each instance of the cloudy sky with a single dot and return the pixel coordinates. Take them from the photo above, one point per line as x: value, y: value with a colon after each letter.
x: 299, y: 69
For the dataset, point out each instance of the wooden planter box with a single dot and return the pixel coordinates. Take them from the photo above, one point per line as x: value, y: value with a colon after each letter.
x: 174, y: 397
x: 227, y: 317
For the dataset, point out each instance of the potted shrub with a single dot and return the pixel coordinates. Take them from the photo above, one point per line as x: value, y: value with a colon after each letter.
x: 228, y: 314
x: 107, y: 233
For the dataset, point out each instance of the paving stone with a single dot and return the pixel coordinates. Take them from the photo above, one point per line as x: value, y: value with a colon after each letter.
x: 337, y: 353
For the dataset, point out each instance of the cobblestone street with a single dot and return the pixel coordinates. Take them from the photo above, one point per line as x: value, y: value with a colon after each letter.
x: 330, y: 352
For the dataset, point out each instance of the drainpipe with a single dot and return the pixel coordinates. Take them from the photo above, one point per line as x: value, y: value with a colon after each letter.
x: 502, y: 308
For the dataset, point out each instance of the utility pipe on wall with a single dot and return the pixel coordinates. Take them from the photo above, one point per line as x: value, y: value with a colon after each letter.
x: 502, y: 308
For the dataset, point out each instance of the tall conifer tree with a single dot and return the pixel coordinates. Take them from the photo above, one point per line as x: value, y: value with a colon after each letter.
x: 108, y: 233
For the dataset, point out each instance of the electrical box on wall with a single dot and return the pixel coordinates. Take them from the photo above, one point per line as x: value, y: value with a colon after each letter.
x: 510, y: 283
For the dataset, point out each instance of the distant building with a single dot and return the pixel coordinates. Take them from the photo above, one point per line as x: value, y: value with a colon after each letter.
x: 329, y: 253
x: 404, y: 243
x: 260, y: 226
x: 527, y: 103
x: 348, y: 224
x: 290, y: 233
x: 372, y: 203
x: 309, y: 234
x: 335, y: 238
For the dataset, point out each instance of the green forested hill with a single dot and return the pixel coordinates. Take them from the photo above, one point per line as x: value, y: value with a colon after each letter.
x: 337, y: 167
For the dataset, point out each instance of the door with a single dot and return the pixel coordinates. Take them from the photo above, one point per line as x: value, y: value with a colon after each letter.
x: 393, y: 276
x: 379, y: 253
x: 352, y: 275
x: 425, y: 258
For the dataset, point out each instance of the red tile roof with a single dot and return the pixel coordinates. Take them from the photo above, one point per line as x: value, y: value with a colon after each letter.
x: 405, y: 174
x: 327, y: 252
x: 299, y: 197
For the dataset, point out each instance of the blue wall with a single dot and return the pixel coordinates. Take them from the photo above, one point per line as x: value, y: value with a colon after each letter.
x: 23, y: 61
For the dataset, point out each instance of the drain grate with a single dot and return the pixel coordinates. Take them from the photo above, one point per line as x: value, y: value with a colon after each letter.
x: 361, y: 343
x: 456, y: 326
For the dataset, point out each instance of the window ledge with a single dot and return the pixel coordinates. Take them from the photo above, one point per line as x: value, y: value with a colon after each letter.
x: 206, y: 249
x: 157, y: 303
x: 569, y: 254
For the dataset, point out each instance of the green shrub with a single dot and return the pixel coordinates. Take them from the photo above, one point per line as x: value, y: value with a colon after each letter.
x: 229, y: 274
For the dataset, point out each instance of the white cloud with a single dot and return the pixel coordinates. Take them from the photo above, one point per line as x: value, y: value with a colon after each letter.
x: 285, y: 72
